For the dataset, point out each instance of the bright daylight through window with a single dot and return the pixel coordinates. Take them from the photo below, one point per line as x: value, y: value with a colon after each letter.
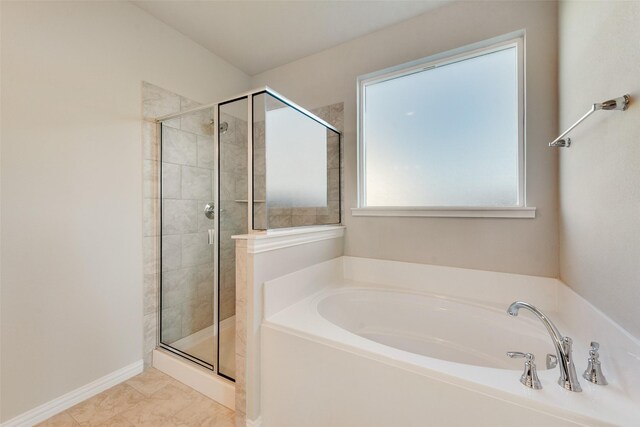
x: 444, y: 133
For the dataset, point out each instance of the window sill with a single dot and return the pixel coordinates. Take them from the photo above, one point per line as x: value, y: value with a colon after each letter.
x: 447, y: 212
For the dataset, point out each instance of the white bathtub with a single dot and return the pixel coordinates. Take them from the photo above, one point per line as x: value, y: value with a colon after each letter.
x: 437, y: 327
x: 356, y: 342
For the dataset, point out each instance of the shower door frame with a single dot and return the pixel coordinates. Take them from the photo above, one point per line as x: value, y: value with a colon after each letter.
x: 249, y: 96
x: 160, y: 344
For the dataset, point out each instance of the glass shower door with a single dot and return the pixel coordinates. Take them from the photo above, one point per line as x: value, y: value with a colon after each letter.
x: 233, y: 220
x: 187, y: 285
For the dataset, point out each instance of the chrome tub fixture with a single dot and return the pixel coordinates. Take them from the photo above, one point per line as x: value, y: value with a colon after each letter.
x: 620, y: 103
x: 529, y: 377
x: 593, y: 373
x: 563, y: 345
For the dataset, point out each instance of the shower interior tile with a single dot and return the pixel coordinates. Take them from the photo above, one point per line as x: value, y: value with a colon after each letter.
x: 336, y: 116
x: 150, y: 215
x: 172, y: 123
x: 322, y: 112
x: 302, y: 220
x: 204, y: 280
x: 150, y: 249
x: 179, y: 216
x: 333, y: 152
x: 196, y: 183
x: 150, y: 146
x: 171, y: 324
x: 276, y: 211
x: 196, y: 315
x: 227, y: 304
x: 198, y: 122
x: 171, y: 181
x: 158, y: 102
x: 333, y: 184
x: 151, y: 176
x: 176, y: 286
x: 228, y: 186
x: 196, y: 249
x: 241, y: 186
x: 279, y: 221
x: 188, y: 104
x: 179, y: 147
x: 233, y: 158
x: 259, y: 216
x: 206, y: 151
x: 150, y: 289
x: 171, y: 252
x: 332, y: 207
x: 150, y: 331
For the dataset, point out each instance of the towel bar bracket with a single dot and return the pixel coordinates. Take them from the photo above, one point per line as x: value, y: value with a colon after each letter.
x: 621, y: 103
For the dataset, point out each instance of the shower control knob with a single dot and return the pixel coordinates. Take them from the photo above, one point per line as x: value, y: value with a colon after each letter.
x: 210, y: 210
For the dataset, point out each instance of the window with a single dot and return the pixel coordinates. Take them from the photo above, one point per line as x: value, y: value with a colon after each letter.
x: 445, y: 134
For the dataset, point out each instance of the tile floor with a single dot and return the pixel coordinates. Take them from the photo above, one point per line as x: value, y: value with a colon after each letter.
x: 149, y: 399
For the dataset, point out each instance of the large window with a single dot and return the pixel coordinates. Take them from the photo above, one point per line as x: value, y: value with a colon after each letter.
x: 444, y: 132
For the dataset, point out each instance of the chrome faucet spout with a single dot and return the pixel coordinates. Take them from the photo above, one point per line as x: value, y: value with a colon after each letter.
x: 563, y: 345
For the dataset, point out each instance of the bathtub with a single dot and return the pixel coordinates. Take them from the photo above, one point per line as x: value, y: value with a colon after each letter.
x: 436, y: 327
x: 355, y: 342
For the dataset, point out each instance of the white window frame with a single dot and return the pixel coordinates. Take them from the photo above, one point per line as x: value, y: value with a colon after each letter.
x: 520, y: 210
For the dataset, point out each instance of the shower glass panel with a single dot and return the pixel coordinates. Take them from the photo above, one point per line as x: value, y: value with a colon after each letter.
x: 296, y: 166
x: 187, y: 283
x: 209, y: 194
x: 233, y: 196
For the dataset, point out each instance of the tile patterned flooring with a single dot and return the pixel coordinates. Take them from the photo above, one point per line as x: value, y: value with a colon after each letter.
x: 149, y: 399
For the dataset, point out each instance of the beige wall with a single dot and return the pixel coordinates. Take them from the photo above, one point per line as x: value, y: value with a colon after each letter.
x: 599, y: 174
x: 513, y: 245
x: 71, y: 178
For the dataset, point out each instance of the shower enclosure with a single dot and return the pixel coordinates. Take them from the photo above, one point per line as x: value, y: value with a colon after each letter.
x: 251, y: 164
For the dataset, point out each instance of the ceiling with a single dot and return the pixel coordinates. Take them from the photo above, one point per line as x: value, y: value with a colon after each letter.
x: 256, y: 36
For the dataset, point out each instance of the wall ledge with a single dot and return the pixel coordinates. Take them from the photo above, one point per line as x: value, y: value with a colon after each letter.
x: 271, y: 240
x: 446, y: 212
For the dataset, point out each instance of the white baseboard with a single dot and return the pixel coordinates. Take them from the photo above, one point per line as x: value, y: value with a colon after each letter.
x: 196, y: 377
x: 255, y: 423
x: 55, y: 406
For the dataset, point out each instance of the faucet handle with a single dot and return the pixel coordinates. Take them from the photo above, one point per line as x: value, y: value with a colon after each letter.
x: 552, y: 361
x: 593, y: 373
x: 514, y: 354
x: 529, y: 377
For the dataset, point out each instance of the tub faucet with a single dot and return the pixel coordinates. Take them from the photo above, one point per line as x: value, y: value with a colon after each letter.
x: 568, y: 378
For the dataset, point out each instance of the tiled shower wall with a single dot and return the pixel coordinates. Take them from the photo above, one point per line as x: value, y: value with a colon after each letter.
x: 187, y: 256
x: 187, y: 187
x: 233, y: 204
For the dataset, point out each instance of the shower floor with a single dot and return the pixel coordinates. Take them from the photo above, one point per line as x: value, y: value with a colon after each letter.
x: 203, y: 345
